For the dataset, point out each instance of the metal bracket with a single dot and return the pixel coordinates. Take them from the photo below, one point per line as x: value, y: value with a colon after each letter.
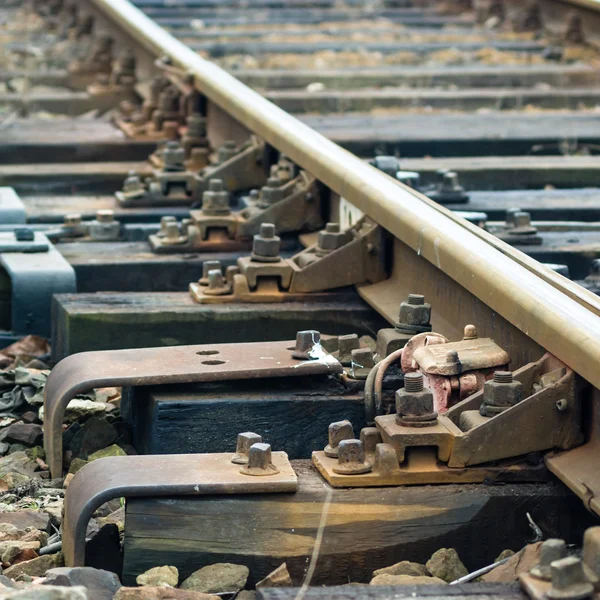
x: 176, y: 475
x: 298, y: 210
x: 37, y: 271
x: 12, y: 209
x: 358, y: 260
x: 240, y: 168
x: 153, y: 366
x: 548, y: 417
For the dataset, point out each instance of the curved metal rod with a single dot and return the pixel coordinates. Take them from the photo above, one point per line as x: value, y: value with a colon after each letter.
x: 371, y: 410
x: 383, y: 367
x: 157, y: 366
x: 167, y: 475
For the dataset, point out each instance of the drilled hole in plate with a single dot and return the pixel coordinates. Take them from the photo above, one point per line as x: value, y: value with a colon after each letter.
x: 213, y: 362
x: 207, y: 352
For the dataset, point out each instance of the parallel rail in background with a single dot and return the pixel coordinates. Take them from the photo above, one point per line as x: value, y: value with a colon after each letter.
x: 472, y: 274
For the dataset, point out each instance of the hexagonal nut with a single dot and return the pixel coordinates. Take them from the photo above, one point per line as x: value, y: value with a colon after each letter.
x: 332, y: 240
x: 414, y: 314
x: 502, y: 394
x: 266, y: 246
x: 414, y: 404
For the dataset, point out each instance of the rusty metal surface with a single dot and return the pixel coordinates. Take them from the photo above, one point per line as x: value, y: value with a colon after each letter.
x: 422, y: 467
x: 152, y: 366
x: 169, y: 475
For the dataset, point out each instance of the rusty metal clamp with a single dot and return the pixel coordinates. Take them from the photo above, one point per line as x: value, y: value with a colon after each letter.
x: 338, y: 259
x: 177, y: 475
x: 536, y: 408
x: 156, y: 366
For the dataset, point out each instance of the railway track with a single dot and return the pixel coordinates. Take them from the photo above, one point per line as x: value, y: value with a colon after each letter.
x: 381, y: 182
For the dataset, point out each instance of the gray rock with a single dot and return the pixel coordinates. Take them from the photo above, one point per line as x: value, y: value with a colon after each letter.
x: 38, y: 592
x: 217, y: 578
x: 387, y: 579
x: 446, y: 564
x: 17, y: 448
x: 6, y: 582
x: 11, y: 549
x: 246, y: 595
x: 78, y: 410
x: 101, y: 585
x: 11, y: 481
x: 22, y: 519
x: 18, y: 462
x: 4, y: 448
x: 404, y: 567
x: 29, y: 434
x: 36, y: 567
x: 97, y: 433
x: 280, y: 577
x: 159, y: 576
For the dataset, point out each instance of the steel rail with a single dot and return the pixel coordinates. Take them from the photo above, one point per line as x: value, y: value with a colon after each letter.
x: 531, y: 301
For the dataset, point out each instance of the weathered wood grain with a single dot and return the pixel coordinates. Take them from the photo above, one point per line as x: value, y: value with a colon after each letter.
x: 365, y: 529
x: 292, y: 413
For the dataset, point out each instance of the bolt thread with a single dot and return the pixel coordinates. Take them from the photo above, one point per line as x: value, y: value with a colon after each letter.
x: 503, y: 377
x: 413, y: 382
x: 416, y: 299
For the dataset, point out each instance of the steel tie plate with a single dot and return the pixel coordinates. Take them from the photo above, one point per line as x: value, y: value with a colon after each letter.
x: 164, y: 475
x: 85, y: 371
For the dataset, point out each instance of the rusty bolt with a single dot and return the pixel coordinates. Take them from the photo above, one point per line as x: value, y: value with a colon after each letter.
x: 244, y: 442
x: 133, y: 183
x: 259, y: 461
x: 331, y: 238
x: 265, y: 247
x: 164, y: 222
x: 72, y: 220
x: 105, y: 216
x: 196, y: 126
x: 414, y: 311
x: 552, y: 549
x: 351, y: 458
x: 207, y: 266
x: 338, y: 431
x: 470, y: 332
x: 173, y: 156
x: 215, y: 200
x: 568, y: 580
x: 362, y: 362
x: 217, y: 285
x: 500, y: 393
x: 230, y: 272
x: 226, y: 151
x: 272, y: 192
x: 172, y: 232
x: 370, y: 437
x: 347, y: 343
x: 306, y: 341
x: 414, y: 403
